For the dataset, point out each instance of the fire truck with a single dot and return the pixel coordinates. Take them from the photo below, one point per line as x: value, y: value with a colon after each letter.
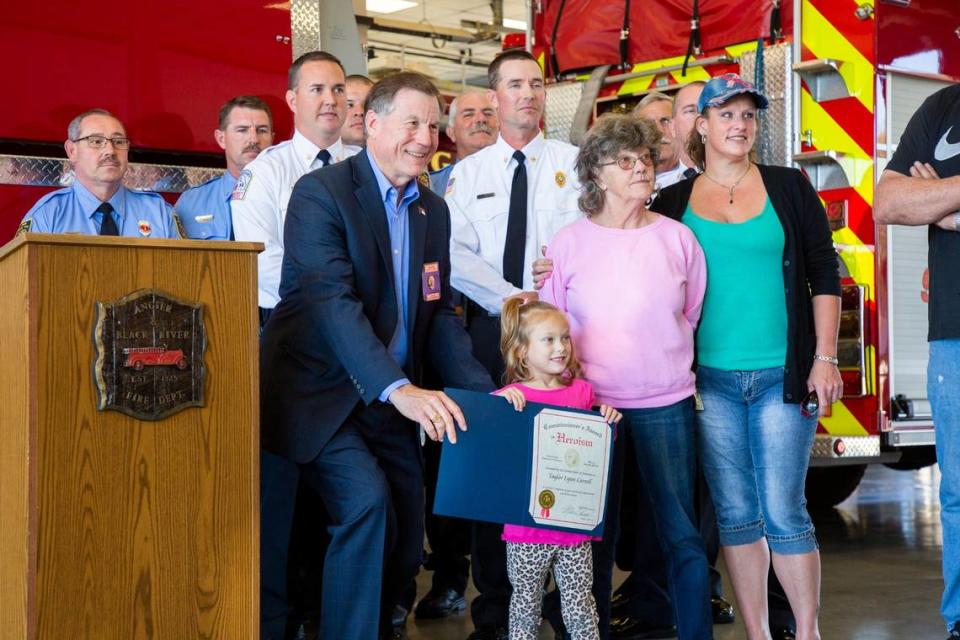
x: 843, y: 78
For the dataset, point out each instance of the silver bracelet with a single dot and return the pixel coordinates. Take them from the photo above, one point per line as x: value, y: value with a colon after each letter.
x: 832, y: 360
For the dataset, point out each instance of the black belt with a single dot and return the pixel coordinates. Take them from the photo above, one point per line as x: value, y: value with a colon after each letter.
x: 472, y: 310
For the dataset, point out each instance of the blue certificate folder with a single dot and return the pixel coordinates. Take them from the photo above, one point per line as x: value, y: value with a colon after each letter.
x: 486, y: 475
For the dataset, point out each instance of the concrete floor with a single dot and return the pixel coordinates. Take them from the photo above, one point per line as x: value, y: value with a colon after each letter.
x: 881, y: 566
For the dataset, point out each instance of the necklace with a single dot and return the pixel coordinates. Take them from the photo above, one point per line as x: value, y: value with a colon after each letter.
x: 730, y: 188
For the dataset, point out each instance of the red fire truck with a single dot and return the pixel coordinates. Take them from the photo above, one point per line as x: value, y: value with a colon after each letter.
x: 844, y: 77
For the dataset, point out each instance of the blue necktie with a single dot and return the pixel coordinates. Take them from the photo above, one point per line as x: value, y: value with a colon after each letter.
x: 108, y: 227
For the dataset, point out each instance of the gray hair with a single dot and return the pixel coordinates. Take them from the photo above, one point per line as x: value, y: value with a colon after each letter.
x: 73, y: 129
x: 609, y: 135
x: 452, y: 113
x: 650, y: 98
x: 380, y: 98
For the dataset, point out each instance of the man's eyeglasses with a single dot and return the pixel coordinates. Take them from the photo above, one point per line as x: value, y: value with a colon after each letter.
x: 99, y: 142
x: 627, y: 163
x: 810, y: 405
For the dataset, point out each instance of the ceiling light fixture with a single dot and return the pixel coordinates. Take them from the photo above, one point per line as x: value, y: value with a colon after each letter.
x: 514, y: 24
x: 389, y: 6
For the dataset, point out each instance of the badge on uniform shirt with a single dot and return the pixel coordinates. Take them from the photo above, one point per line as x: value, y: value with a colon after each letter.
x: 243, y: 182
x: 431, y: 281
x: 144, y: 227
x: 561, y: 178
x: 449, y: 187
x: 24, y: 226
x: 205, y: 217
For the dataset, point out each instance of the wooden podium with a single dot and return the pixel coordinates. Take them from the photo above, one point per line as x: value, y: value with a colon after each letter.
x: 114, y: 527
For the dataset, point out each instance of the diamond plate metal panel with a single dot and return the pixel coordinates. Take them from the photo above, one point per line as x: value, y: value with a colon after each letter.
x: 56, y: 172
x: 854, y: 447
x: 562, y: 101
x: 304, y: 26
x: 775, y: 141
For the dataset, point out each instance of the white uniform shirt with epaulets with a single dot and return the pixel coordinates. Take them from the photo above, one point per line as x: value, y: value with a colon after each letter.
x: 259, y: 202
x: 137, y: 214
x: 478, y: 194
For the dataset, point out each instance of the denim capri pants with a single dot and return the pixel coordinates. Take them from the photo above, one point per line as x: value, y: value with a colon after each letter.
x: 755, y: 450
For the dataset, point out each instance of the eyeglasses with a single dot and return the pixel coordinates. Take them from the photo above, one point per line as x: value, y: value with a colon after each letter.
x: 810, y: 405
x: 99, y: 142
x: 627, y: 163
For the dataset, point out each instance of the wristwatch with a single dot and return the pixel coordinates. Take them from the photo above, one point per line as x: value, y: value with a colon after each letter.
x: 832, y: 360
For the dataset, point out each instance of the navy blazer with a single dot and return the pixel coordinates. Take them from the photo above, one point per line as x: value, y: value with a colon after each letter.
x: 324, y: 349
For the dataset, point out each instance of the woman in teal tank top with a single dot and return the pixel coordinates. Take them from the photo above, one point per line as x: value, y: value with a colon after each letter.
x: 766, y: 343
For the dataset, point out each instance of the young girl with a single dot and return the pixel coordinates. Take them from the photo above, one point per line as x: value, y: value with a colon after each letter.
x: 542, y: 367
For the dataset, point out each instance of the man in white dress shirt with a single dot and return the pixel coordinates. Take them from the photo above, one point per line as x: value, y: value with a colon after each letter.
x: 316, y: 94
x: 506, y: 202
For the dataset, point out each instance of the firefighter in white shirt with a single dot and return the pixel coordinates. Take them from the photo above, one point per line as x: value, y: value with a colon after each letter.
x: 504, y: 208
x: 316, y: 95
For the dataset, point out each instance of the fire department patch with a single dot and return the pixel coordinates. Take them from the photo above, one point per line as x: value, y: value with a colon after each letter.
x: 24, y: 226
x: 144, y: 227
x: 243, y: 182
x: 449, y: 186
x: 149, y: 354
x: 561, y: 178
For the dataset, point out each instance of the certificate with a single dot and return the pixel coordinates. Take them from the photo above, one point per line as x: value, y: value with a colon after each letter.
x: 571, y: 460
x: 504, y: 461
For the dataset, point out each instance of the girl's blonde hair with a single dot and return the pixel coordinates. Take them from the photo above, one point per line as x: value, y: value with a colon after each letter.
x: 515, y: 337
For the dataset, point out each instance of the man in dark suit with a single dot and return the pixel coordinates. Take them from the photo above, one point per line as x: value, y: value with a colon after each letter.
x: 365, y: 299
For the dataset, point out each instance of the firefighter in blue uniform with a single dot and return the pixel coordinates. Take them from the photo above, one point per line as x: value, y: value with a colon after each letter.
x: 97, y: 203
x: 245, y: 128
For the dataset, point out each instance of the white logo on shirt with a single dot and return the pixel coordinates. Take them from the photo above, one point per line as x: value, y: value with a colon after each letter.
x: 946, y: 150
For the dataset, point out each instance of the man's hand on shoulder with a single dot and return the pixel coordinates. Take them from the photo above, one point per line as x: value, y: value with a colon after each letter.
x: 433, y: 410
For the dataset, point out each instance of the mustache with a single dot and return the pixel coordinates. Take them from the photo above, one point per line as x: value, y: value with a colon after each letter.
x: 110, y: 159
x: 481, y: 127
x: 252, y: 147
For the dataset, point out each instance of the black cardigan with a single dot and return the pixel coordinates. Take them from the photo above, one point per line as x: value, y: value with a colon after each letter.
x: 810, y: 264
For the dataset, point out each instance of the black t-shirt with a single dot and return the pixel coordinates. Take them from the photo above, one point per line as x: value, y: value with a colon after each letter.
x: 933, y: 135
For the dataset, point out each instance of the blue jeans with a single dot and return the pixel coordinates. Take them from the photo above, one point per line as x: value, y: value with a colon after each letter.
x: 943, y: 389
x: 755, y: 450
x: 665, y: 445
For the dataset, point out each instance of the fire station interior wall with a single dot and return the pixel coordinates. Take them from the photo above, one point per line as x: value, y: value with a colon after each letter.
x: 906, y: 262
x: 163, y: 67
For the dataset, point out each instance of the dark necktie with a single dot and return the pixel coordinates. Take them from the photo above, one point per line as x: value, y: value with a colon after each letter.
x: 690, y: 173
x: 515, y: 244
x: 324, y: 157
x: 107, y: 227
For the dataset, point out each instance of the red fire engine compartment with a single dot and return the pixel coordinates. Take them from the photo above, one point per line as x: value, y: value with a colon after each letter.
x: 164, y: 68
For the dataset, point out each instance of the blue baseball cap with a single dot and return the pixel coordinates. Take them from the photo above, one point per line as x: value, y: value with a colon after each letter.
x: 720, y: 89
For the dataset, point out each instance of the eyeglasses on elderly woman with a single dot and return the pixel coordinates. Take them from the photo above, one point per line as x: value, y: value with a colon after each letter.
x: 628, y: 162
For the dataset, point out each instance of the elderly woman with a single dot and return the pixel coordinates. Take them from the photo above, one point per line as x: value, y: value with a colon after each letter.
x: 632, y: 282
x: 766, y: 349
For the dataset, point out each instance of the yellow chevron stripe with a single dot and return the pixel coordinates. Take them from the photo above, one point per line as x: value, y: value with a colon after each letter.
x: 737, y: 50
x: 858, y: 259
x: 542, y: 61
x: 827, y: 134
x: 870, y: 363
x: 865, y: 185
x: 641, y: 84
x: 693, y: 73
x: 825, y: 41
x: 843, y: 422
